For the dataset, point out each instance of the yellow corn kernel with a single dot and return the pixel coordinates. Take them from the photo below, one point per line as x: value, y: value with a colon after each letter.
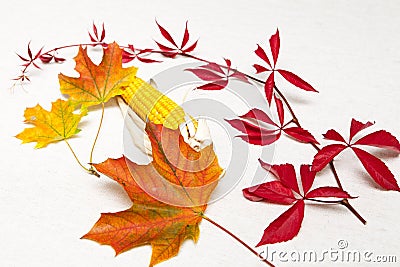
x: 150, y: 104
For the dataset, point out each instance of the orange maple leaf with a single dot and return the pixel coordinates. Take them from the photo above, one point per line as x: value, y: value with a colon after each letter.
x: 169, y: 196
x: 97, y: 83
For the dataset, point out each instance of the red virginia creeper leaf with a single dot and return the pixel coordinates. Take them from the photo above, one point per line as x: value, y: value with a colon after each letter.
x: 29, y: 50
x: 91, y: 38
x: 307, y: 177
x: 274, y: 43
x: 22, y: 58
x: 326, y: 155
x: 146, y: 50
x: 249, y: 128
x: 95, y: 31
x: 249, y: 196
x: 166, y: 34
x: 285, y: 227
x: 240, y: 76
x: 296, y: 80
x: 269, y: 87
x: 46, y: 58
x: 280, y: 110
x: 334, y: 136
x: 284, y: 172
x: 260, y: 69
x: 147, y: 60
x: 300, y: 135
x: 127, y: 56
x: 59, y: 59
x: 164, y: 48
x: 216, y: 85
x: 381, y: 139
x: 36, y: 66
x: 213, y: 66
x: 328, y: 191
x: 170, y: 54
x: 185, y: 36
x: 261, y: 54
x: 228, y: 63
x: 357, y: 126
x: 260, y: 115
x: 103, y: 34
x: 262, y: 140
x: 190, y: 48
x: 377, y: 169
x: 273, y: 191
x: 205, y: 75
x: 38, y: 53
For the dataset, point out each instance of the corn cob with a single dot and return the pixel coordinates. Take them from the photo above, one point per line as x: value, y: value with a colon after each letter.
x: 151, y: 105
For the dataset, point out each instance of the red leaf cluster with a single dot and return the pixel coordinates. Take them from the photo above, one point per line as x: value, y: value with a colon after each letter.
x: 259, y: 129
x: 375, y: 167
x: 175, y: 50
x: 130, y: 53
x: 286, y: 191
x: 31, y: 58
x: 97, y: 37
x: 274, y: 43
x: 216, y: 77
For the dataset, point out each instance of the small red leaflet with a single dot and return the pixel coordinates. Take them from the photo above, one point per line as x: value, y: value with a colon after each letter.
x: 375, y: 167
x: 215, y: 75
x: 274, y: 43
x: 175, y: 50
x: 286, y: 191
x: 260, y: 129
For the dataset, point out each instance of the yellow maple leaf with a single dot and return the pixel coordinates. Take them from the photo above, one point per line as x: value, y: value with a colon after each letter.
x: 97, y: 83
x: 58, y: 124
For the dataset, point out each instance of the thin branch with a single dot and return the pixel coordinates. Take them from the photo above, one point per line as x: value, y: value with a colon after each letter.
x: 237, y: 239
x: 91, y: 171
x: 97, y: 135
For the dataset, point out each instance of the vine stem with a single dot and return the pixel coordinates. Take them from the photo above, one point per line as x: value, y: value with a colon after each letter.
x: 237, y: 239
x: 97, y: 136
x: 91, y: 171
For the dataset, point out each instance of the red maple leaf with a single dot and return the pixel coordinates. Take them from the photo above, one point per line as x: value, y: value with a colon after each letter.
x: 375, y: 167
x: 274, y: 43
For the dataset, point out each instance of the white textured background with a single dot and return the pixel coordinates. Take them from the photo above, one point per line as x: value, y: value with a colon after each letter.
x: 349, y: 51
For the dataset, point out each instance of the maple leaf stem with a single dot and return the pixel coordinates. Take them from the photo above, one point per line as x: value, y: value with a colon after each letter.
x: 97, y: 135
x: 237, y: 239
x: 91, y: 171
